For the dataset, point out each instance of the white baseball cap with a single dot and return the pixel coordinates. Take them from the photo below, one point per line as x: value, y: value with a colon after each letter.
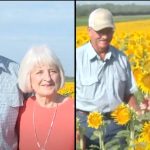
x: 101, y: 18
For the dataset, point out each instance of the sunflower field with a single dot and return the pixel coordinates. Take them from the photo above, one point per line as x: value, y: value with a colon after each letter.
x: 133, y: 38
x: 68, y: 89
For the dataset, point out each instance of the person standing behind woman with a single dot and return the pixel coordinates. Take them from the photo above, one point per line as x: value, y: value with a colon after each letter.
x: 46, y: 121
x: 10, y: 100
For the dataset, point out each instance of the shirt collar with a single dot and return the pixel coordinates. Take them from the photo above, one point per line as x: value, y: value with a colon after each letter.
x: 2, y: 65
x: 92, y: 53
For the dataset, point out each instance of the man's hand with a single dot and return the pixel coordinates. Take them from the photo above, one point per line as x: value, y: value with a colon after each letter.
x: 131, y: 100
x: 145, y: 105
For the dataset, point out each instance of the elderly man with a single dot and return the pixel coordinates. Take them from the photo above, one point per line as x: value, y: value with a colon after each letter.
x: 103, y: 76
x: 10, y: 100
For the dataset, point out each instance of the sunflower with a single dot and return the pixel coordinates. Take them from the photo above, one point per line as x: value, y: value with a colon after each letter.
x: 136, y: 72
x: 130, y: 50
x: 144, y: 82
x: 146, y: 65
x: 121, y: 114
x: 95, y: 120
x: 79, y: 41
x: 82, y: 36
x: 139, y: 144
x: 139, y: 53
x: 145, y: 134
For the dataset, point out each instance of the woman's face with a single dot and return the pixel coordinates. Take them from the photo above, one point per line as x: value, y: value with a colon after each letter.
x: 45, y: 80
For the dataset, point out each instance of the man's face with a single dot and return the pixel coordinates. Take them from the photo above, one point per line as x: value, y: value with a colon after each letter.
x: 101, y: 39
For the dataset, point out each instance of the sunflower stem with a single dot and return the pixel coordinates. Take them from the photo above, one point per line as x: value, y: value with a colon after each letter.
x: 81, y: 141
x: 101, y: 141
x: 131, y: 144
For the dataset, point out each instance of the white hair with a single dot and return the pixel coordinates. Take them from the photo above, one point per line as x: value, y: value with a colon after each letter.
x: 40, y: 55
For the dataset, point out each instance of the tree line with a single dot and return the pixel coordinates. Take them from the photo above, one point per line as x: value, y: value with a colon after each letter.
x: 129, y: 9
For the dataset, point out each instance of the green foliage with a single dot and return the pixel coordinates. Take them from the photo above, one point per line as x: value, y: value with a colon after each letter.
x: 94, y: 147
x: 67, y: 93
x: 77, y: 123
x: 139, y: 96
x: 117, y: 10
x: 145, y: 117
x: 83, y: 20
x: 123, y: 133
x: 95, y: 135
x: 69, y: 79
x: 114, y: 143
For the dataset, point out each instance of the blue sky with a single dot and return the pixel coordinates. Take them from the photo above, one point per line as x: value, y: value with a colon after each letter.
x: 24, y: 24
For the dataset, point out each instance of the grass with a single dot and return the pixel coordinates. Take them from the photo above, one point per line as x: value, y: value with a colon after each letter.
x: 80, y: 21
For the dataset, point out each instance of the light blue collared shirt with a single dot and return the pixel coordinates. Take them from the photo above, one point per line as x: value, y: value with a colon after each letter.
x: 102, y: 84
x: 10, y: 100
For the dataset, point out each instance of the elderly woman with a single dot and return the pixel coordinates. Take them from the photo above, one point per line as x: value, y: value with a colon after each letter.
x: 46, y: 121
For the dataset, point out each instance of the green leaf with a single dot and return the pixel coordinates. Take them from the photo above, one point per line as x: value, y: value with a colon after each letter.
x: 82, y: 129
x: 116, y: 147
x: 113, y: 145
x: 96, y: 133
x: 123, y: 133
x: 94, y: 146
x: 138, y: 127
x: 145, y: 117
x: 93, y: 137
x: 112, y: 142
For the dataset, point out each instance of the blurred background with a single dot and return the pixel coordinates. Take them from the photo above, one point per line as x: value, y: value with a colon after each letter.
x: 122, y: 10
